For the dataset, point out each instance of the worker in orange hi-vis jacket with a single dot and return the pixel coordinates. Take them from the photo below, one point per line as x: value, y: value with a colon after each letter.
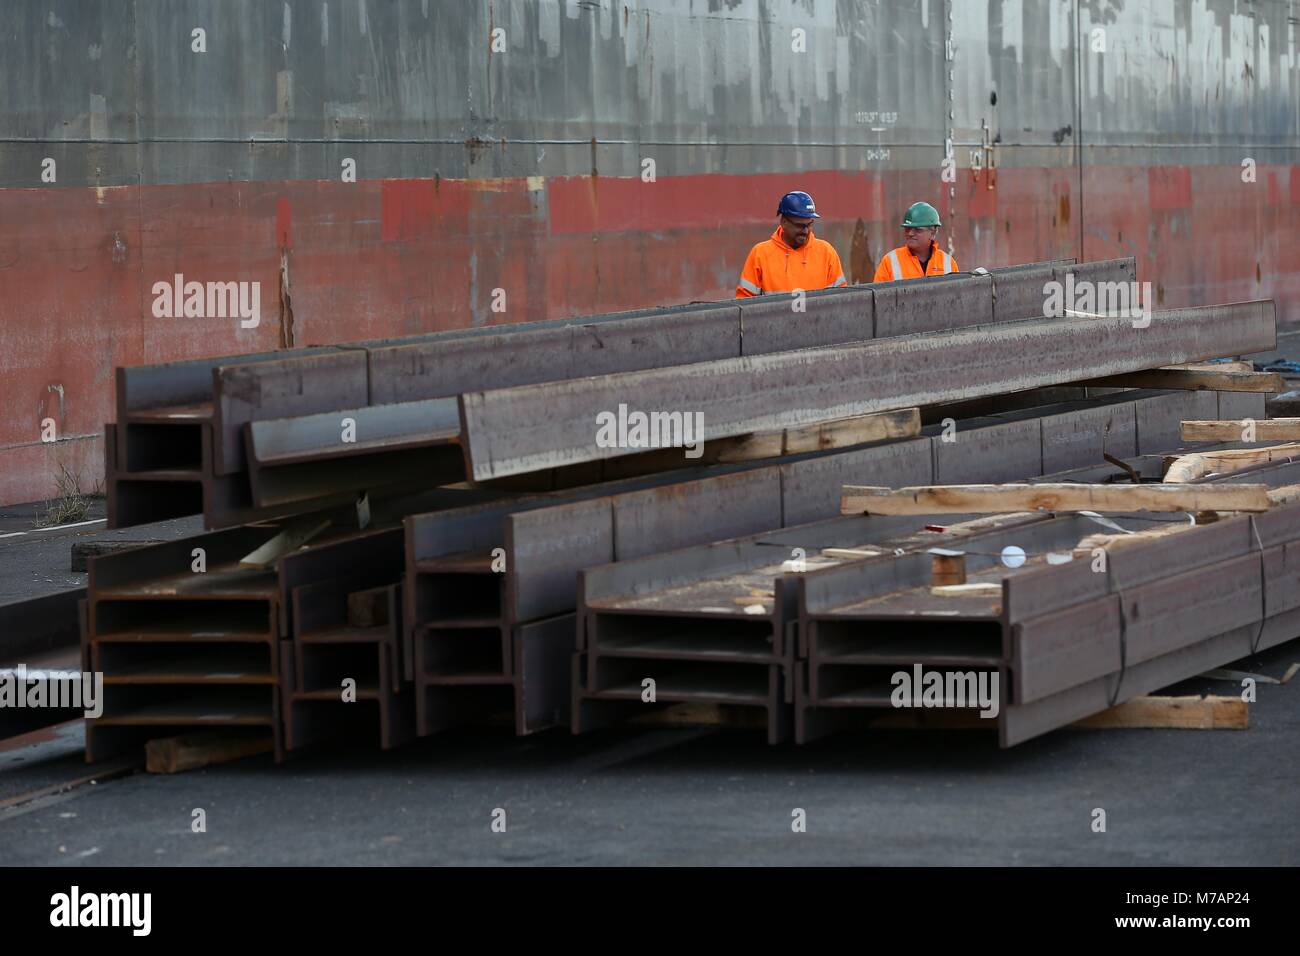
x: 920, y: 255
x: 792, y: 259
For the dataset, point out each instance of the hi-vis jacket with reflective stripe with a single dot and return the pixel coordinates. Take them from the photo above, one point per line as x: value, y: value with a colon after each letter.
x: 772, y: 266
x: 901, y: 264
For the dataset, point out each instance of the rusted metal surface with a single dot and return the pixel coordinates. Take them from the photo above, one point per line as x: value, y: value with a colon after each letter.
x: 810, y: 488
x: 320, y: 456
x: 326, y: 652
x: 42, y: 625
x: 663, y: 518
x: 1065, y: 648
x: 281, y: 389
x: 189, y: 648
x: 1089, y: 434
x: 733, y: 601
x: 546, y: 548
x: 551, y: 352
x: 1001, y: 451
x: 517, y: 430
x: 613, y: 687
x: 1018, y: 723
x: 1159, y: 422
x: 1234, y: 406
x: 1018, y: 293
x: 42, y: 634
x: 950, y: 302
x: 542, y: 661
x: 778, y: 323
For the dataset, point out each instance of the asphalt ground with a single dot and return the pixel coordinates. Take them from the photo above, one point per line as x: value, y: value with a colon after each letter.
x: 692, y: 797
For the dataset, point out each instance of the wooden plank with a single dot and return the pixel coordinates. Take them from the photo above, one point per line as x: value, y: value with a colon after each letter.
x: 297, y: 532
x: 191, y: 751
x: 841, y: 433
x: 974, y: 589
x: 1216, y: 367
x: 997, y: 499
x: 1265, y: 429
x: 368, y: 608
x: 851, y: 554
x: 1150, y: 713
x: 1192, y: 378
x: 693, y: 714
x: 1191, y: 467
x: 1109, y: 542
x: 1286, y: 495
x: 1173, y: 713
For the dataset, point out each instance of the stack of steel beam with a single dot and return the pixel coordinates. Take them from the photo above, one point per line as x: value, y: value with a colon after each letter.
x: 1067, y: 638
x: 719, y: 623
x: 716, y: 624
x: 489, y: 590
x: 554, y: 601
x: 523, y: 615
x: 187, y: 633
x: 712, y: 624
x: 257, y: 436
x: 181, y: 647
x: 544, y: 550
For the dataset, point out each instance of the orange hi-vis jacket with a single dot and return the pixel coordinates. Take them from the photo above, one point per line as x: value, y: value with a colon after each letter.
x: 772, y: 266
x: 901, y: 264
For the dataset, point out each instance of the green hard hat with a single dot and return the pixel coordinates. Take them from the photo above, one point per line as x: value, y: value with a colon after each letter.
x: 921, y: 214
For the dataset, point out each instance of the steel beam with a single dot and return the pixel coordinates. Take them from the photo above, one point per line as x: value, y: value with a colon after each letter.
x: 517, y: 430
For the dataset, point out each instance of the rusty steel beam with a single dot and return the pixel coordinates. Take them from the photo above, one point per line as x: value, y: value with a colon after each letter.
x: 513, y: 431
x: 327, y: 650
x: 727, y: 603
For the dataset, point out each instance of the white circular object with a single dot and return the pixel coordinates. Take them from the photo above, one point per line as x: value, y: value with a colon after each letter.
x: 1012, y: 556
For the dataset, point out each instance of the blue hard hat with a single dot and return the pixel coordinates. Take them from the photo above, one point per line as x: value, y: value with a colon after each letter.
x: 798, y: 204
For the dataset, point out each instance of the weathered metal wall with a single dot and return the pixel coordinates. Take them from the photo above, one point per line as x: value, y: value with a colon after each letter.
x: 524, y: 169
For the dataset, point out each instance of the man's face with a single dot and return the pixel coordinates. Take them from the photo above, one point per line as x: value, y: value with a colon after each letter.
x: 918, y: 239
x: 795, y: 231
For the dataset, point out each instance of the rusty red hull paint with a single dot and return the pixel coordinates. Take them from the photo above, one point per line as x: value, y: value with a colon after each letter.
x: 389, y: 258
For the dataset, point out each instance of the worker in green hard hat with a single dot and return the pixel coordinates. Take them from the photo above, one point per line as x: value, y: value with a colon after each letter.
x: 920, y: 254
